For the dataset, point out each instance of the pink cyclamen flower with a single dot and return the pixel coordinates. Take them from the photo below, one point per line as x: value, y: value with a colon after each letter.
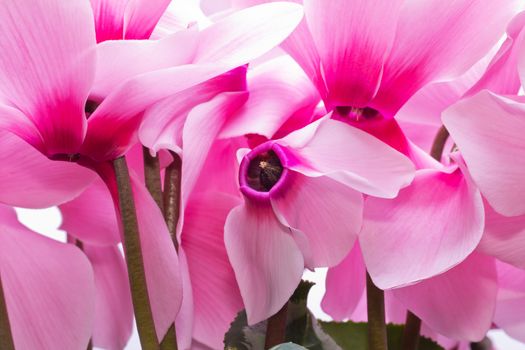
x: 303, y: 206
x: 368, y: 60
x: 458, y: 304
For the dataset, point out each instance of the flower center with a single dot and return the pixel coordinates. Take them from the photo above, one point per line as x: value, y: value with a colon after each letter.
x: 264, y: 171
x: 90, y: 107
x: 355, y: 114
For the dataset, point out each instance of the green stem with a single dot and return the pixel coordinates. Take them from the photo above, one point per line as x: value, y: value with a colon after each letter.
x: 152, y: 177
x: 276, y: 328
x: 134, y: 261
x: 168, y: 202
x: 6, y: 337
x: 439, y: 143
x: 170, y: 339
x: 411, y: 332
x: 377, y: 339
x: 172, y: 196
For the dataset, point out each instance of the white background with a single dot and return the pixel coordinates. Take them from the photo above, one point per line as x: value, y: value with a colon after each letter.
x: 47, y: 221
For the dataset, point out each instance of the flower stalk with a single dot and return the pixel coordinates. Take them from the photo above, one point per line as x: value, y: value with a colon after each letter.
x: 411, y: 332
x: 6, y: 337
x: 377, y: 338
x: 172, y: 196
x: 134, y: 260
x: 152, y: 177
x: 276, y: 328
x: 154, y: 185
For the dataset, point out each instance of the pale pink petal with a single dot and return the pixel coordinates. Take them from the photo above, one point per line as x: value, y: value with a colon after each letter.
x: 278, y: 91
x: 48, y: 286
x: 200, y: 131
x: 109, y: 19
x: 216, y: 295
x: 31, y: 180
x: 326, y: 211
x: 345, y: 285
x: 434, y: 43
x: 352, y: 38
x: 247, y: 33
x: 511, y: 301
x: 419, y: 234
x: 91, y: 217
x: 225, y: 45
x: 113, y: 307
x: 180, y: 15
x: 502, y: 76
x: 185, y: 321
x: 353, y: 157
x: 13, y: 120
x: 164, y: 121
x: 458, y: 304
x: 141, y: 17
x: 161, y: 263
x: 46, y: 78
x: 268, y: 264
x: 504, y: 237
x: 488, y: 131
x: 119, y: 60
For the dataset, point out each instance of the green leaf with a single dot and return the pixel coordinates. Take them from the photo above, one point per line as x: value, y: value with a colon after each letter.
x: 350, y: 335
x: 301, y: 327
x: 288, y: 346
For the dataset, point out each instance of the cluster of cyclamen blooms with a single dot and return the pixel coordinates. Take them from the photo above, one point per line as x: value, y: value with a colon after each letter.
x: 225, y: 175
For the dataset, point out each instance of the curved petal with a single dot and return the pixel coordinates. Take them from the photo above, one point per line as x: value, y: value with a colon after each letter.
x: 353, y: 157
x: 352, y: 38
x: 216, y: 296
x: 109, y: 19
x: 91, y: 217
x: 504, y: 237
x: 268, y: 264
x: 161, y: 263
x: 163, y: 122
x: 199, y: 134
x: 511, y: 301
x: 31, y: 180
x: 113, y: 307
x: 488, y: 131
x: 46, y: 78
x: 141, y: 17
x: 278, y: 90
x: 345, y: 285
x: 184, y: 323
x: 502, y: 76
x: 419, y: 234
x: 119, y: 60
x: 458, y: 304
x: 47, y: 285
x: 248, y: 33
x: 326, y: 211
x: 440, y: 48
x: 225, y: 45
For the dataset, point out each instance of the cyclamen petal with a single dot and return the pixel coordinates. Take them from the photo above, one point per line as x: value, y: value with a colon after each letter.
x: 488, y: 130
x: 46, y: 78
x: 365, y: 163
x: 352, y: 38
x: 47, y: 286
x: 267, y: 262
x: 420, y: 229
x: 327, y: 212
x: 459, y: 303
x: 113, y: 308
